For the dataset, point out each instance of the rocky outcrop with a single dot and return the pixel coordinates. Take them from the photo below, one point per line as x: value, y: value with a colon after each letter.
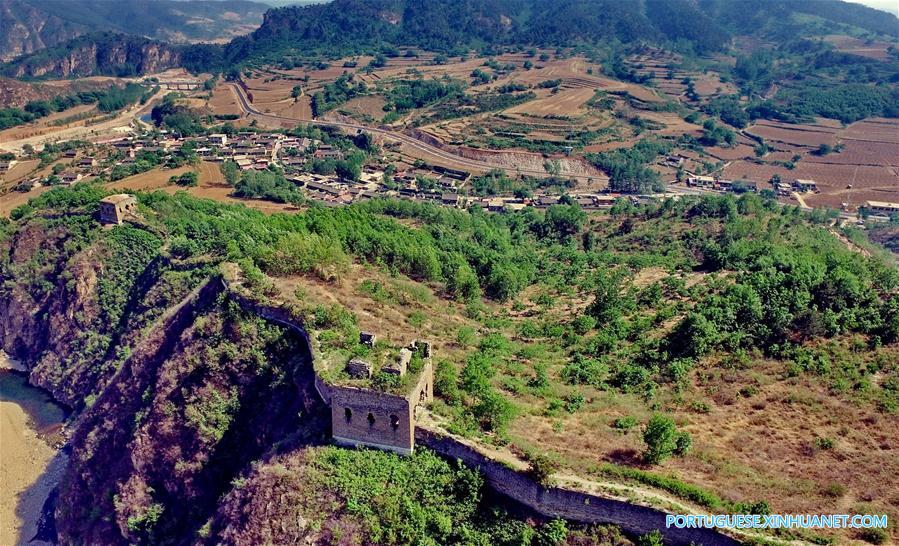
x: 177, y: 390
x: 97, y: 54
x: 27, y: 26
x: 24, y: 28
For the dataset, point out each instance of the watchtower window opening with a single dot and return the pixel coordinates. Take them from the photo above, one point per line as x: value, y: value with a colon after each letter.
x: 371, y: 420
x: 394, y: 422
x: 348, y: 414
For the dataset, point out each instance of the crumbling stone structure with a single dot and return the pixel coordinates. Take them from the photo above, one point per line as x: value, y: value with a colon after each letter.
x: 367, y: 417
x: 114, y: 208
x: 400, y: 364
x: 358, y: 368
x: 367, y: 338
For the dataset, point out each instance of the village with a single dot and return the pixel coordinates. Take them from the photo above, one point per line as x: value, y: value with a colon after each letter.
x: 387, y: 176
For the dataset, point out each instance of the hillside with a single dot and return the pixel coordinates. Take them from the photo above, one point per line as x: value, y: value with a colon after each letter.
x: 27, y: 26
x: 344, y: 27
x: 354, y: 26
x: 769, y: 342
x: 197, y: 420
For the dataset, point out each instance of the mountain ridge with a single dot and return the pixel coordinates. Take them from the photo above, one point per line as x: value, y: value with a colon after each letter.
x: 27, y: 26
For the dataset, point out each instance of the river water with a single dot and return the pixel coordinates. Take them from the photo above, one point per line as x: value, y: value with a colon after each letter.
x: 30, y: 467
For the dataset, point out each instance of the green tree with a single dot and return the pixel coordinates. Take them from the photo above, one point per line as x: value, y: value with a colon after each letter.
x: 661, y: 439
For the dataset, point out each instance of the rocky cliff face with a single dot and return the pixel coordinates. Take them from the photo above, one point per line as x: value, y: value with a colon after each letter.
x: 24, y: 29
x: 27, y: 26
x: 108, y: 54
x: 177, y: 390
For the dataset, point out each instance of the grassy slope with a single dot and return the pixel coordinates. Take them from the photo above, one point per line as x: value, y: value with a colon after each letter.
x: 800, y: 416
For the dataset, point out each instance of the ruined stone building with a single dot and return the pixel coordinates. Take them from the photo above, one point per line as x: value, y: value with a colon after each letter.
x: 114, y: 208
x: 364, y: 416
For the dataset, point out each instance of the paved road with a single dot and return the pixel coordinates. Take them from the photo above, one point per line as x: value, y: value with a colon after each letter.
x: 424, y: 147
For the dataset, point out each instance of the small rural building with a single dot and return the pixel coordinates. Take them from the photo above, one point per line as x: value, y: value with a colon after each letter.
x: 701, y: 181
x: 450, y: 199
x: 219, y: 139
x: 70, y: 177
x: 114, y: 208
x: 87, y: 162
x: 882, y: 207
x: 805, y: 185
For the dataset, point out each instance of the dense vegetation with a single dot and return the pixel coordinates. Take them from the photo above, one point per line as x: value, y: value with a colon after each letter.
x: 356, y: 26
x: 267, y: 185
x: 629, y: 168
x: 422, y: 500
x: 109, y: 100
x: 177, y: 117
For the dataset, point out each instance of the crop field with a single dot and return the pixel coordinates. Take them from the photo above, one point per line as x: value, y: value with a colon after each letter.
x: 868, y: 182
x: 524, y: 135
x: 665, y: 74
x: 873, y: 130
x: 872, y: 49
x: 568, y: 102
x: 806, y: 136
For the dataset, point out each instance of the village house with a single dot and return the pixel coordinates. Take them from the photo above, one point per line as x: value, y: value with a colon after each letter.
x: 701, y: 181
x: 450, y: 199
x: 70, y: 177
x: 882, y: 207
x: 805, y: 186
x: 327, y: 152
x: 218, y: 139
x: 545, y: 201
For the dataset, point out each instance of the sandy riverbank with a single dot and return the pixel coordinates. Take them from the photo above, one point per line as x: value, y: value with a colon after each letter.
x: 29, y: 470
x: 29, y: 467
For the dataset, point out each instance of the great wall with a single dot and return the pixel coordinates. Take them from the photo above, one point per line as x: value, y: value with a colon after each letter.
x: 386, y: 433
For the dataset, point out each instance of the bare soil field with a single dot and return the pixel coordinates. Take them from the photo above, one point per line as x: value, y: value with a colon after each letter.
x: 19, y: 171
x: 371, y: 107
x: 873, y: 130
x: 740, y: 151
x: 147, y: 181
x: 868, y: 182
x: 13, y: 199
x: 856, y: 152
x: 872, y: 49
x: 569, y: 102
x: 210, y: 185
x: 674, y: 124
x: 223, y: 101
x: 48, y: 124
x: 795, y: 135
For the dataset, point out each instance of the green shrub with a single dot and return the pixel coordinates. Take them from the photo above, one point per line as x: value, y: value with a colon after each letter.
x: 624, y: 423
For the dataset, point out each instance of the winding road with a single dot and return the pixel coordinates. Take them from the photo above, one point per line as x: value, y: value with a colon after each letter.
x: 429, y: 150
